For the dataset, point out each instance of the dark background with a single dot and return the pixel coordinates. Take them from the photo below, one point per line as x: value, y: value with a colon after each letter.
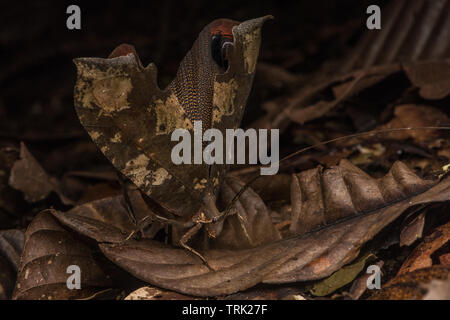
x: 37, y: 75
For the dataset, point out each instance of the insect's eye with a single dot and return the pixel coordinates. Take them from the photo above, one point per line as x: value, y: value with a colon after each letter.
x: 219, y: 45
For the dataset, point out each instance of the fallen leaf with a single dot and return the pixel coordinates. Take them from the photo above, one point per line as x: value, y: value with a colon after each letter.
x: 28, y: 176
x: 409, y: 286
x: 322, y: 197
x: 412, y: 231
x: 105, y: 220
x: 340, y: 278
x: 309, y: 256
x: 359, y: 286
x: 251, y: 226
x: 420, y: 257
x: 49, y: 251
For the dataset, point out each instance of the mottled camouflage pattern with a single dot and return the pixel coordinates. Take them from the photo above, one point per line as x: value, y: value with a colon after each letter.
x: 121, y: 106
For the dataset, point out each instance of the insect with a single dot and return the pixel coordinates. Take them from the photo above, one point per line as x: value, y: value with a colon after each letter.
x: 131, y: 119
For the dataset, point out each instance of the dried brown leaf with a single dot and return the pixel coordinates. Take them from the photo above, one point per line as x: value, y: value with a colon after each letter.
x: 312, y: 255
x: 105, y: 220
x: 421, y: 255
x: 322, y: 197
x: 410, y: 286
x: 49, y: 251
x: 28, y: 176
x: 412, y: 231
x: 251, y: 226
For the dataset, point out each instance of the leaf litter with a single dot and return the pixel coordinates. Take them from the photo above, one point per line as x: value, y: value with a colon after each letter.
x: 308, y: 224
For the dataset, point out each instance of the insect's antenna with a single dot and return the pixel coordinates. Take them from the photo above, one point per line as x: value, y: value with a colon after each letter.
x: 356, y: 135
x: 238, y: 195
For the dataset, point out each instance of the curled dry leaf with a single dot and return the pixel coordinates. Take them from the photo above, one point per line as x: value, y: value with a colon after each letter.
x: 410, y: 286
x: 312, y: 255
x: 251, y: 226
x: 412, y: 231
x: 49, y: 251
x: 28, y: 176
x: 420, y: 257
x: 105, y: 220
x: 323, y: 197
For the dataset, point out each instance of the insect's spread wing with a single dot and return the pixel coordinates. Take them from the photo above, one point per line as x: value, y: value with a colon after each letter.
x: 125, y: 113
x: 131, y: 119
x: 232, y: 88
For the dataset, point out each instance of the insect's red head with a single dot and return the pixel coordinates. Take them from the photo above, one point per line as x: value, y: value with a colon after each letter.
x: 223, y: 27
x: 221, y: 38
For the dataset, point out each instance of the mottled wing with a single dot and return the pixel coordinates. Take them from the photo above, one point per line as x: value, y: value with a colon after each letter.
x: 130, y: 119
x: 125, y: 113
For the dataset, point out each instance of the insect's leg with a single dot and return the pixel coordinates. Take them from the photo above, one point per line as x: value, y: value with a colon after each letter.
x: 186, y: 237
x: 151, y: 217
x: 126, y: 197
x: 214, y: 218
